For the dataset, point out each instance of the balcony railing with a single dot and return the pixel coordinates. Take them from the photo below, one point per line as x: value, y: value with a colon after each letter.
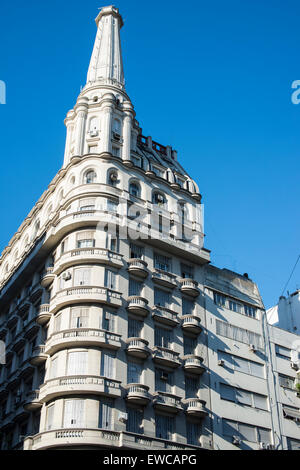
x: 164, y: 278
x: 195, y: 407
x: 194, y: 364
x: 83, y: 384
x: 80, y: 294
x: 138, y: 305
x: 47, y: 277
x: 138, y: 394
x: 99, y: 437
x: 81, y: 255
x: 165, y: 315
x: 138, y: 267
x: 167, y: 402
x: 82, y: 337
x: 138, y: 347
x: 191, y: 323
x: 38, y: 355
x: 44, y: 314
x: 166, y: 356
x: 189, y: 287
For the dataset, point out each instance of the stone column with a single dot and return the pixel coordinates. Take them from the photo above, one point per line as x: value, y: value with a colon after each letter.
x: 127, y: 127
x: 107, y: 109
x: 80, y: 127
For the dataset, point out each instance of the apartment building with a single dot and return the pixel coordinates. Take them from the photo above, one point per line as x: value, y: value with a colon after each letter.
x: 118, y: 331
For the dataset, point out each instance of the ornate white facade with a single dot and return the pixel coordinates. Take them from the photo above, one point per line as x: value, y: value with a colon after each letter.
x: 116, y: 341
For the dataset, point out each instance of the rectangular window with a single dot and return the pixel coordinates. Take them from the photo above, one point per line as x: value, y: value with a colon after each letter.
x: 107, y: 365
x: 57, y: 322
x: 111, y: 206
x: 238, y: 334
x: 234, y: 306
x: 164, y: 427
x: 109, y: 321
x: 79, y: 318
x: 136, y: 251
x: 246, y: 432
x: 87, y: 204
x: 162, y: 298
x: 77, y: 363
x: 163, y: 338
x: 110, y: 279
x: 191, y: 387
x: 193, y: 433
x: 286, y: 381
x: 282, y: 352
x: 243, y: 397
x: 135, y: 421
x: 219, y: 299
x: 105, y: 414
x: 189, y: 345
x: 250, y: 311
x: 164, y: 381
x: 135, y: 287
x: 162, y: 262
x: 188, y: 306
x: 134, y: 328
x: 116, y: 151
x: 50, y: 416
x: 82, y: 277
x: 54, y: 367
x: 187, y: 271
x: 241, y: 365
x: 134, y: 373
x: 73, y: 413
x: 85, y: 239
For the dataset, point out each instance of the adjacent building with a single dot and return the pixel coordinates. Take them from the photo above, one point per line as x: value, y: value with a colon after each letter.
x: 119, y: 333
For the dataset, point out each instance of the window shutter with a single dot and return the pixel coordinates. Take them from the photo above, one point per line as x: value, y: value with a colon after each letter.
x: 134, y: 328
x: 50, y: 416
x: 134, y: 372
x: 135, y: 287
x: 107, y: 365
x: 105, y: 414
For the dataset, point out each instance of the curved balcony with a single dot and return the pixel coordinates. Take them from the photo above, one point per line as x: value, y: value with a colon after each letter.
x: 191, y: 324
x: 79, y: 384
x: 189, y: 287
x: 195, y: 407
x: 84, y: 337
x: 166, y: 357
x: 138, y: 305
x: 165, y: 315
x: 32, y: 401
x: 84, y: 294
x: 138, y: 267
x: 137, y: 347
x: 88, y: 255
x: 48, y: 277
x: 164, y: 278
x: 101, y: 438
x: 194, y: 364
x: 43, y: 315
x: 138, y: 394
x: 38, y: 355
x: 167, y: 402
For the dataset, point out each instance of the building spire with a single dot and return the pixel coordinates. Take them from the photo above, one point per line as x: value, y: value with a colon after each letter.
x: 106, y: 65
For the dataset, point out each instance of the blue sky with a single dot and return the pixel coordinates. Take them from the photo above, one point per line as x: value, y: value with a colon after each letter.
x: 212, y: 79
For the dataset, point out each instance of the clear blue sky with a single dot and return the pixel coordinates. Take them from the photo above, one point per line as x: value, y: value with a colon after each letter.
x: 212, y: 79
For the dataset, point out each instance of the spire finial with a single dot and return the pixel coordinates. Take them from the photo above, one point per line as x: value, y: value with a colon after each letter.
x: 106, y: 65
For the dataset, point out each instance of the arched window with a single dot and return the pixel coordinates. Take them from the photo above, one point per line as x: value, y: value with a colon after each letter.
x: 90, y: 177
x: 159, y: 199
x: 117, y: 126
x: 134, y: 189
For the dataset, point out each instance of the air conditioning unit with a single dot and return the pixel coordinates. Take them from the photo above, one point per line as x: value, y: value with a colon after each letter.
x: 294, y: 365
x: 66, y: 276
x: 113, y: 176
x: 164, y: 376
x: 252, y: 347
x: 116, y: 136
x: 221, y: 362
x: 236, y: 441
x: 93, y: 132
x: 123, y: 417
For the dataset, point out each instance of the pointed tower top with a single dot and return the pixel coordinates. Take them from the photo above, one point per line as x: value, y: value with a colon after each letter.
x: 106, y: 65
